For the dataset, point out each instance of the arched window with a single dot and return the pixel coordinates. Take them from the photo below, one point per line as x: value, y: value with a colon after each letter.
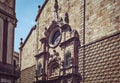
x: 67, y: 59
x: 54, y: 37
x: 39, y: 69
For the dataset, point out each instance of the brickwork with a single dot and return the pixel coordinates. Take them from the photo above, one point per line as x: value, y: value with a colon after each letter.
x: 102, y: 61
x: 102, y: 18
x: 28, y: 75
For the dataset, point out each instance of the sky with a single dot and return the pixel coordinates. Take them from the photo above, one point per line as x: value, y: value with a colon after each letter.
x: 26, y: 12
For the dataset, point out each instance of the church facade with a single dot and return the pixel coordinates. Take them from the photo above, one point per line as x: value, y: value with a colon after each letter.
x: 8, y: 21
x: 73, y: 42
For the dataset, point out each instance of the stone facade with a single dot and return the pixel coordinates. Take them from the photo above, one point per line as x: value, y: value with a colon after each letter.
x: 75, y: 41
x: 27, y: 75
x: 27, y: 52
x: 7, y: 26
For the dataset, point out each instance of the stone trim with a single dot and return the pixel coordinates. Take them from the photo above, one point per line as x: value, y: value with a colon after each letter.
x: 106, y: 37
x: 73, y: 66
x: 67, y: 42
x: 28, y: 67
x: 12, y: 19
x: 43, y: 40
x: 40, y: 54
x: 7, y: 14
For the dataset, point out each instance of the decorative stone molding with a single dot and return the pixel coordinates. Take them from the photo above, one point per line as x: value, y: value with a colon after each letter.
x: 9, y: 18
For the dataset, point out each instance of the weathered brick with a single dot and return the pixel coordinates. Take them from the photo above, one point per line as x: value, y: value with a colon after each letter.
x: 103, y: 63
x: 28, y: 75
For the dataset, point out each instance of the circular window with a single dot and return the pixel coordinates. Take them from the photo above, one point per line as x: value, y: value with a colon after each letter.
x: 55, y: 37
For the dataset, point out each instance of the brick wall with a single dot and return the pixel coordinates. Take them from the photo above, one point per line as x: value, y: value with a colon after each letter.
x: 28, y: 75
x: 101, y: 62
x: 102, y: 19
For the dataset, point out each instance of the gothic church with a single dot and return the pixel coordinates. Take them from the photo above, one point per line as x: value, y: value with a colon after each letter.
x: 73, y: 41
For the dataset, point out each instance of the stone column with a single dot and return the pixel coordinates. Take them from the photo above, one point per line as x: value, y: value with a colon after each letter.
x: 1, y: 38
x: 10, y: 43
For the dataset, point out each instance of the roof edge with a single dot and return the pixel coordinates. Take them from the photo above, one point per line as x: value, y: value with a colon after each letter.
x: 33, y: 28
x: 39, y: 12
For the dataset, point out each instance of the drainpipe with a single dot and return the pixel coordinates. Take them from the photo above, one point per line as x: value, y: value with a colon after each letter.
x: 84, y: 23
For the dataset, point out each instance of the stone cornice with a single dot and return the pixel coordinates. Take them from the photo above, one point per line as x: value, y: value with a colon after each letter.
x: 67, y: 42
x: 101, y: 39
x: 40, y: 54
x: 5, y: 15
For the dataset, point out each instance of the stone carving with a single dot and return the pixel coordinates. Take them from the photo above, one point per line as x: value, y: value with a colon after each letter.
x: 66, y: 18
x: 54, y: 56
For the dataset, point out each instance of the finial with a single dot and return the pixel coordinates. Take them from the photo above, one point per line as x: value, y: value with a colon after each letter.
x: 21, y: 41
x: 39, y: 6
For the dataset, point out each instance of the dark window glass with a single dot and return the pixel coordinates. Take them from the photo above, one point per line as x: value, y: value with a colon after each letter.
x: 39, y: 69
x: 67, y: 59
x: 56, y: 36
